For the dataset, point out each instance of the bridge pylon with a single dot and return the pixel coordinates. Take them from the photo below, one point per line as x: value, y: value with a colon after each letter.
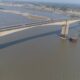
x: 65, y: 30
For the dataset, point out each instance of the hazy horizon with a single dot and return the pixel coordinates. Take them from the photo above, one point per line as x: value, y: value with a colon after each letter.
x: 57, y: 1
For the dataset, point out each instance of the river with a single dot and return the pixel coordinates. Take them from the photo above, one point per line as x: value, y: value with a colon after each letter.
x: 38, y: 53
x: 7, y: 19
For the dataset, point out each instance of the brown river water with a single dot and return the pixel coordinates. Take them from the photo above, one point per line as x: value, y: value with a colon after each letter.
x: 39, y: 53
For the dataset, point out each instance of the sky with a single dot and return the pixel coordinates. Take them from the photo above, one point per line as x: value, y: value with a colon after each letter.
x: 57, y: 1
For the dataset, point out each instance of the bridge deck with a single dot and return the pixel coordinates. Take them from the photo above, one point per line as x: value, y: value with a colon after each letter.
x: 34, y: 24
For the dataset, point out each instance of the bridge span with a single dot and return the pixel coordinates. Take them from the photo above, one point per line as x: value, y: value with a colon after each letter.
x: 64, y: 23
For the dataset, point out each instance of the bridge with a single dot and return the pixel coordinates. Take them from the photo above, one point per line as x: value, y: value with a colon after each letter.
x: 64, y: 23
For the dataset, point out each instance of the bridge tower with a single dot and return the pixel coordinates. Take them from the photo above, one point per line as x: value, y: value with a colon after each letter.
x: 65, y: 29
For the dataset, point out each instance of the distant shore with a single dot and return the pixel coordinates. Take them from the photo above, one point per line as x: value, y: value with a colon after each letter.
x: 10, y: 4
x: 59, y: 10
x: 28, y: 15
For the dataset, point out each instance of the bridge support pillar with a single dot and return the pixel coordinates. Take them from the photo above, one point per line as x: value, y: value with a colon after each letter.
x: 65, y: 30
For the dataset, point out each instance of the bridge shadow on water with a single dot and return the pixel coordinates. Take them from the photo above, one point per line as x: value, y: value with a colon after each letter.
x: 11, y: 43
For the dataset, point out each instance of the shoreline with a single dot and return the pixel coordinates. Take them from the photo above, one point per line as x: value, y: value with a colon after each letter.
x: 28, y: 15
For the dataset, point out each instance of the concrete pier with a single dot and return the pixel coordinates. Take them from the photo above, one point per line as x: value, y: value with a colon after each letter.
x: 65, y: 29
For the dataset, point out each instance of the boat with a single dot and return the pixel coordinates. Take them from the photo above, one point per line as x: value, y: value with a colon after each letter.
x: 73, y: 39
